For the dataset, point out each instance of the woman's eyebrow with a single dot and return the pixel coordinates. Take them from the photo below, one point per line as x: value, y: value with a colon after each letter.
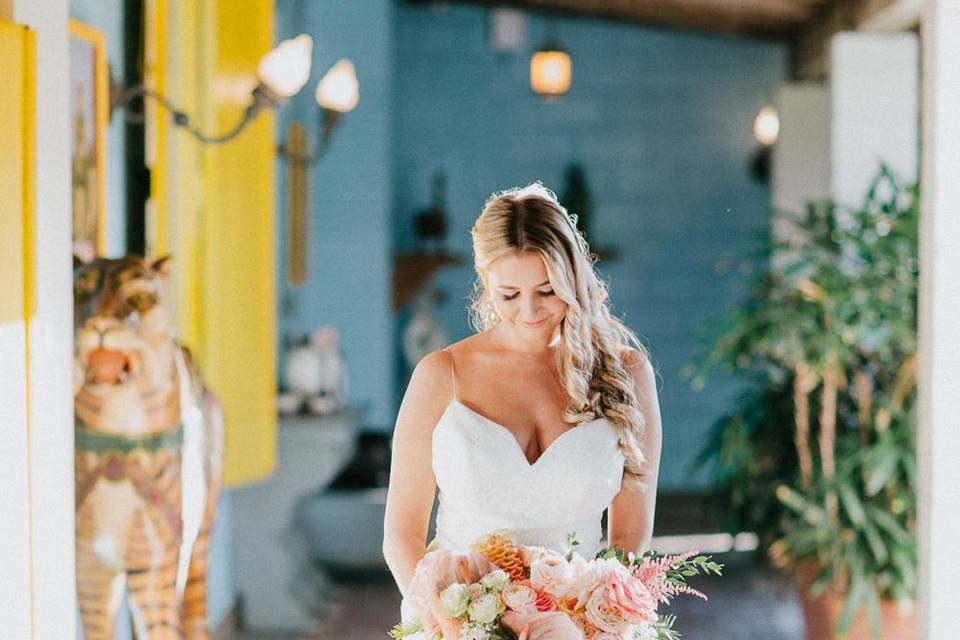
x: 510, y: 286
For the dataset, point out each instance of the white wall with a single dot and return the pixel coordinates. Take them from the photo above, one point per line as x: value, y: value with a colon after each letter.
x: 939, y: 318
x: 800, y: 169
x: 50, y: 342
x: 874, y: 97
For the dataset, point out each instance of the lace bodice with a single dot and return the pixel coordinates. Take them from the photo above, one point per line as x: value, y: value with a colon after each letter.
x: 487, y: 484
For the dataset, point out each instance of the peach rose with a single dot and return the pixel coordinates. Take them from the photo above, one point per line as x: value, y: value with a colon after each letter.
x: 551, y: 573
x: 603, y: 614
x: 631, y: 597
x: 606, y: 635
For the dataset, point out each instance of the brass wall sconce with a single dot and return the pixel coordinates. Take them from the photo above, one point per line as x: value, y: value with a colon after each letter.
x: 338, y: 92
x: 281, y: 74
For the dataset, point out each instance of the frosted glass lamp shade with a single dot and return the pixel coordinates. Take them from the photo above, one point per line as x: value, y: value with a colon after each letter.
x: 286, y: 68
x: 339, y: 90
x: 550, y: 71
x: 766, y: 126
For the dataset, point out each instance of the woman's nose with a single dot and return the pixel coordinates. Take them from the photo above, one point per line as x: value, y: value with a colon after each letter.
x: 531, y: 308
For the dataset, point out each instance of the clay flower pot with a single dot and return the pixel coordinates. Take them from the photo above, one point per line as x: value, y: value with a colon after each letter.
x: 821, y: 612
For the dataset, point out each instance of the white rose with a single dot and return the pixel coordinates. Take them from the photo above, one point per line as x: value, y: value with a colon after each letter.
x: 495, y: 580
x: 483, y: 609
x: 455, y: 599
x: 587, y: 575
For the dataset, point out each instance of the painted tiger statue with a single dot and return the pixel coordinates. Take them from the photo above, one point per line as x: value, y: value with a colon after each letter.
x: 149, y: 454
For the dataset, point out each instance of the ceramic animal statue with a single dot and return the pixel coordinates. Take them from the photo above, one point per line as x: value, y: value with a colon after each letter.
x: 315, y: 373
x: 149, y: 452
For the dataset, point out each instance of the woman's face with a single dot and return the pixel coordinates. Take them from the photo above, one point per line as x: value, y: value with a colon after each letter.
x: 523, y: 296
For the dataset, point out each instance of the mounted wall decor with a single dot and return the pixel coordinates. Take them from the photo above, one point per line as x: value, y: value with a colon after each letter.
x: 298, y: 198
x: 89, y: 109
x: 338, y: 92
x: 281, y: 74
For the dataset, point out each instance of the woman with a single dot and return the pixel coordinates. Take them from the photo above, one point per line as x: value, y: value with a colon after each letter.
x: 538, y: 422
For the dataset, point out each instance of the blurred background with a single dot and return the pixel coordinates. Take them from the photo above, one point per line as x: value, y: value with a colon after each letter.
x: 745, y: 171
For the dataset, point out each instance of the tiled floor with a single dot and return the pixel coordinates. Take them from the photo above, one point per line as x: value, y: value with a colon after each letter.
x: 750, y: 602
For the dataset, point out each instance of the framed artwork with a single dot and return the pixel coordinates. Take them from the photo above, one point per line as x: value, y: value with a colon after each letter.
x: 89, y: 96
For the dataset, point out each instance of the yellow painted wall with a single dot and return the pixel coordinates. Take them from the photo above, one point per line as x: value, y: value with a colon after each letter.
x: 17, y: 307
x: 16, y: 172
x: 216, y: 215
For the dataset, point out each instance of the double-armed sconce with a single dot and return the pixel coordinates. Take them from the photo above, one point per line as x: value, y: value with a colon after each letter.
x: 337, y: 93
x: 281, y: 74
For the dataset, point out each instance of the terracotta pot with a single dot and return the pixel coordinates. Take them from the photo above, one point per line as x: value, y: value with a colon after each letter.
x: 820, y: 613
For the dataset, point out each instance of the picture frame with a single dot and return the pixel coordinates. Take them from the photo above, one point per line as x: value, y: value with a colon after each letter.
x: 89, y: 114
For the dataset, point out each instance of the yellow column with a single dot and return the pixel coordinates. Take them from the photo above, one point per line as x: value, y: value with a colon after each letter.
x: 238, y: 301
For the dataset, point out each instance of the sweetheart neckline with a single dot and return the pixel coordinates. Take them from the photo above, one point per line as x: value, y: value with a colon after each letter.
x: 508, y: 433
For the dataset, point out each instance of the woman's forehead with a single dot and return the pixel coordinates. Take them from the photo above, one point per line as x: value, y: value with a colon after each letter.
x: 525, y: 270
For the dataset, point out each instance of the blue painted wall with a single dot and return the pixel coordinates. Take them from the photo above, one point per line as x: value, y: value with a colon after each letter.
x: 350, y: 237
x: 661, y: 120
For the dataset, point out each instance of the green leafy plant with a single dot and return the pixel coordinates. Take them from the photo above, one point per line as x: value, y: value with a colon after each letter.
x: 818, y: 454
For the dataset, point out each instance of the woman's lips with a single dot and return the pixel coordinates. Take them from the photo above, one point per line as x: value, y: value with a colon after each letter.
x: 534, y: 324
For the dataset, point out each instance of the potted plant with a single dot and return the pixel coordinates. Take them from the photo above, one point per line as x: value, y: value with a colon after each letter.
x: 818, y: 454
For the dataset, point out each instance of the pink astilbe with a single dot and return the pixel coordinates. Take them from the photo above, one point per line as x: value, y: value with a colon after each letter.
x: 653, y: 573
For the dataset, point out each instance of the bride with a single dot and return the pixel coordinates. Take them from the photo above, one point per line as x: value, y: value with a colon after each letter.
x: 537, y: 423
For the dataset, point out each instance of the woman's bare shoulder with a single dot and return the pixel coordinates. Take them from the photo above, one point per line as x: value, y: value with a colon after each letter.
x: 638, y: 364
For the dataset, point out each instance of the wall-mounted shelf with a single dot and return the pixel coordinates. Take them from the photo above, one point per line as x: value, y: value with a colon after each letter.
x: 412, y: 271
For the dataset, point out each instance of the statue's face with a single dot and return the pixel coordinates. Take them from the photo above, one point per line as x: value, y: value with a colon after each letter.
x: 123, y: 361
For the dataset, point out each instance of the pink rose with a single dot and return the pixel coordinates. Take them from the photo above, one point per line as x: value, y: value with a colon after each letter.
x: 603, y: 614
x: 551, y: 573
x: 519, y: 597
x: 631, y: 597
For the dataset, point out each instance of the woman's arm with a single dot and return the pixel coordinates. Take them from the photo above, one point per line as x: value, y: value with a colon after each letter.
x: 630, y: 517
x: 412, y: 483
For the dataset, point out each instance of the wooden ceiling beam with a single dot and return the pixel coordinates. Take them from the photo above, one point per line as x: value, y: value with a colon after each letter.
x: 774, y: 19
x: 811, y: 43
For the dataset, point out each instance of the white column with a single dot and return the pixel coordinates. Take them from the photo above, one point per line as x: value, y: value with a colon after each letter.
x: 874, y: 94
x: 800, y: 169
x: 51, y: 334
x: 939, y: 324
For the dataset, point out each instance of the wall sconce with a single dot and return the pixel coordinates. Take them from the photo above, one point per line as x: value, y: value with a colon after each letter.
x: 766, y: 126
x: 766, y: 131
x: 281, y: 73
x: 338, y: 92
x: 550, y: 70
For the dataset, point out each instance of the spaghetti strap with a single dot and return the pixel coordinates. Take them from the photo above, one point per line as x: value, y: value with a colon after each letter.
x: 453, y: 374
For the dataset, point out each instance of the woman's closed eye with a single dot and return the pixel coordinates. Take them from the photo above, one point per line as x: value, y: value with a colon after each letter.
x: 545, y: 294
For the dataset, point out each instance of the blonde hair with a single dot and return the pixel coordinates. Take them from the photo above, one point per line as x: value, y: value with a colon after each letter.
x: 589, y: 356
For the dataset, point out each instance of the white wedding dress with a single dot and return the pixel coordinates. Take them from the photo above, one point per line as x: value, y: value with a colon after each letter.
x: 487, y: 484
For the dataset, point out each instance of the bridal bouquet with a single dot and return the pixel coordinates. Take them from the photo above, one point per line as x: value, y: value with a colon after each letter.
x: 502, y: 591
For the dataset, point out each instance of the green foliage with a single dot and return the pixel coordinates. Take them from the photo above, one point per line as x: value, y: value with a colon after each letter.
x: 828, y: 331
